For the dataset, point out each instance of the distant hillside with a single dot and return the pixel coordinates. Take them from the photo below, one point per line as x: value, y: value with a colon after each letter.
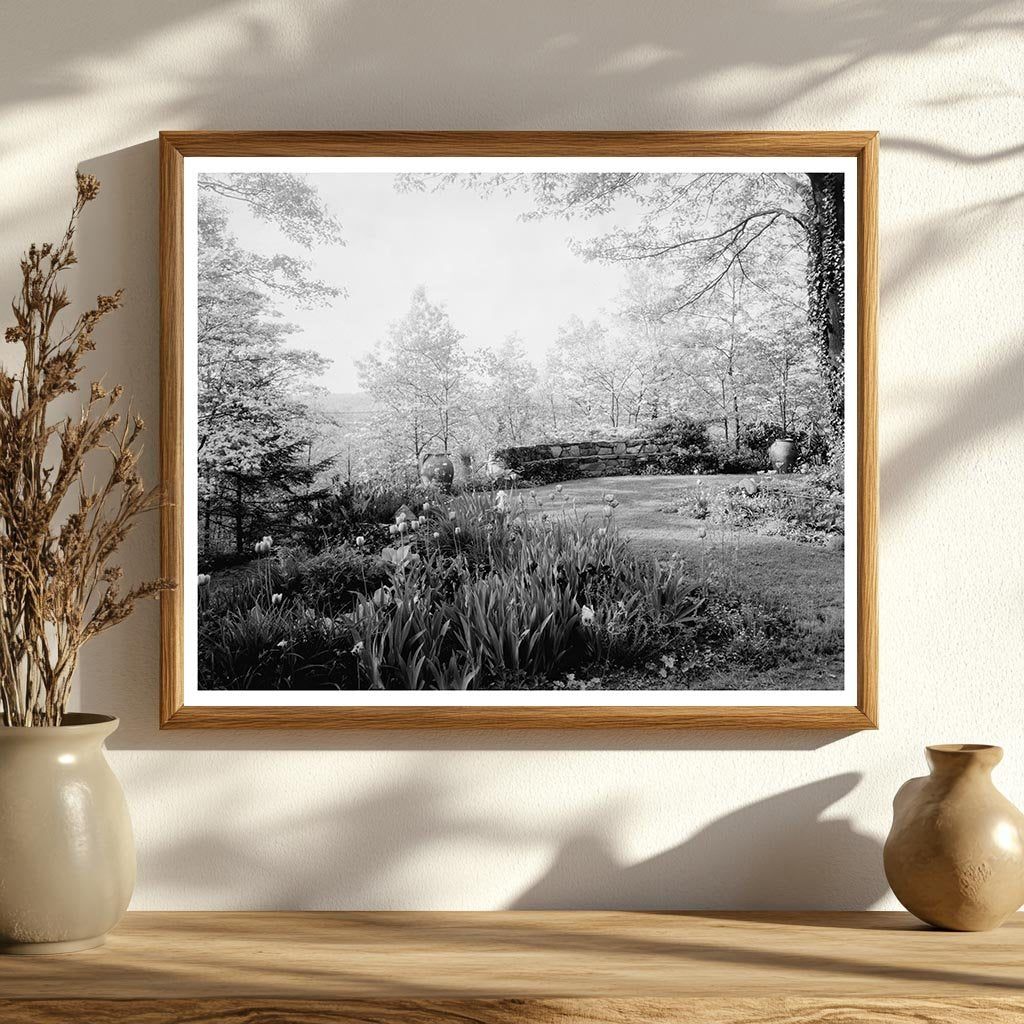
x: 345, y: 405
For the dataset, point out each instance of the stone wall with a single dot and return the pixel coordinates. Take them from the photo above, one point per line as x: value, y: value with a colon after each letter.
x: 570, y: 460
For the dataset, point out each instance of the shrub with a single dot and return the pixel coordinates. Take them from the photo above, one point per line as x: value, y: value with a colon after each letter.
x: 354, y: 509
x: 250, y: 646
x: 736, y: 631
x: 806, y: 510
x: 331, y: 580
x: 474, y: 593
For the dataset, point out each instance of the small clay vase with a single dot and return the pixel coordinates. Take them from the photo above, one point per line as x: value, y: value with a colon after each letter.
x: 955, y: 854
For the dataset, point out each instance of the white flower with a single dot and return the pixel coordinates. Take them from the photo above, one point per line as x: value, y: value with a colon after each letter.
x: 437, y: 536
x: 392, y: 529
x: 451, y: 517
x: 204, y: 579
x: 558, y: 487
x: 458, y: 530
x: 401, y: 517
x: 276, y: 599
x: 283, y: 644
x: 586, y: 614
x: 426, y: 506
x: 360, y: 541
x: 403, y: 527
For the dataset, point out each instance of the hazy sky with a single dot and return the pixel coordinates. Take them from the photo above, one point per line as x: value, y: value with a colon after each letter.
x: 495, y: 274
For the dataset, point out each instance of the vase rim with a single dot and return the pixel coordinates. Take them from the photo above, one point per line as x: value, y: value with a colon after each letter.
x: 962, y: 748
x: 71, y: 721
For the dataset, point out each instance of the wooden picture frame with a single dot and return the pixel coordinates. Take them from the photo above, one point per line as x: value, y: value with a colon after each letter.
x: 177, y: 147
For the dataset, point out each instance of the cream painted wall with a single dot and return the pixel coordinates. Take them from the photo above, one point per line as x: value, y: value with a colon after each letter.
x: 232, y: 820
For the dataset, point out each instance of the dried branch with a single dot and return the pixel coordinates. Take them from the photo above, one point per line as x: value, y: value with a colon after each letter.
x: 57, y: 586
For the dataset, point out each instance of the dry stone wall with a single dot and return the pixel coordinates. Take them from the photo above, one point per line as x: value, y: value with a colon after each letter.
x: 572, y: 460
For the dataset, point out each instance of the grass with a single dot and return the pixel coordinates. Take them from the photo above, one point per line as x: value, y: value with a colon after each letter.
x: 803, y: 580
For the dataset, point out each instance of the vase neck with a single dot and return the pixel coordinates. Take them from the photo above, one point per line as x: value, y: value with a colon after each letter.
x: 951, y: 760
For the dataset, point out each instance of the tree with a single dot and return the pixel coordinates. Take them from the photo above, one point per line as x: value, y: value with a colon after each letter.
x: 711, y: 223
x: 419, y: 373
x: 591, y: 370
x: 652, y: 337
x: 294, y: 207
x: 252, y: 427
x: 507, y: 405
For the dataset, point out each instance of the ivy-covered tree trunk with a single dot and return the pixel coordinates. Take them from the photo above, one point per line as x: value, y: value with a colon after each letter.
x: 826, y: 293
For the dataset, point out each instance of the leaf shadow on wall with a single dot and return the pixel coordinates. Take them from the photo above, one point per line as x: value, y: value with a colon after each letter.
x: 370, y: 64
x: 974, y: 409
x: 385, y: 848
x: 776, y: 853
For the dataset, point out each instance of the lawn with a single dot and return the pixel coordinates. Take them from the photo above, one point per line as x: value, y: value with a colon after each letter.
x: 805, y: 578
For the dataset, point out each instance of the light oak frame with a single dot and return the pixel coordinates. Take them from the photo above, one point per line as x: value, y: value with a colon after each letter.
x: 176, y: 146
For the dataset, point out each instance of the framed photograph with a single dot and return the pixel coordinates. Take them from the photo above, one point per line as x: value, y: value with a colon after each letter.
x: 519, y: 429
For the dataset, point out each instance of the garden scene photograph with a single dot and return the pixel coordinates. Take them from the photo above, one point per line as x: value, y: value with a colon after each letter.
x: 564, y: 430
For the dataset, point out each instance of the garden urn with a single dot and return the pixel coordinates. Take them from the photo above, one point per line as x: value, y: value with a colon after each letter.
x: 67, y: 859
x: 955, y: 854
x: 438, y: 470
x: 782, y: 454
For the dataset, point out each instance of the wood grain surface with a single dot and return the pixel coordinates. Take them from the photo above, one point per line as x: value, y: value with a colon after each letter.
x: 511, y: 1011
x: 527, y: 955
x: 175, y: 147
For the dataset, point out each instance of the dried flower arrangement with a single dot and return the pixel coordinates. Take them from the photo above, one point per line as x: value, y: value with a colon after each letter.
x: 58, y: 588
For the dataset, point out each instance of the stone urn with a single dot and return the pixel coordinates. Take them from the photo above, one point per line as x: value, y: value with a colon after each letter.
x: 67, y: 859
x: 437, y: 470
x: 782, y: 454
x: 955, y: 854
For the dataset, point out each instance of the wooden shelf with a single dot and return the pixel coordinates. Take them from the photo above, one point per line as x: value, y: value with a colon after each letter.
x: 507, y: 968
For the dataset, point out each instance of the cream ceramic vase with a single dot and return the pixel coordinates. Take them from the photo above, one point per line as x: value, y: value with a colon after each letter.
x: 955, y: 855
x: 67, y: 859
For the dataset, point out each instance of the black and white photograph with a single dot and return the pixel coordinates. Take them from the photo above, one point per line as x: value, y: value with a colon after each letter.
x: 566, y: 430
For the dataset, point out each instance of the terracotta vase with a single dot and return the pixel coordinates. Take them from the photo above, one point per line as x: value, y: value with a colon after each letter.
x: 67, y: 859
x: 782, y: 454
x: 955, y: 854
